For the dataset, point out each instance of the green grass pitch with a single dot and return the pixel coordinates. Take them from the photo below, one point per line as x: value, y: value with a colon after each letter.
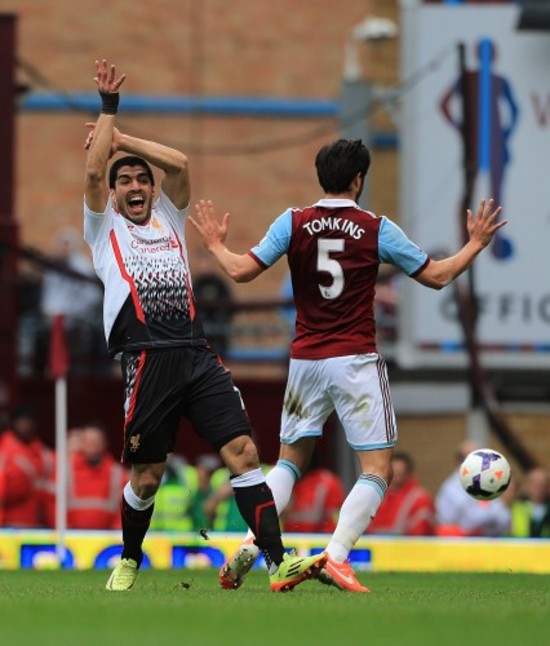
x: 188, y: 607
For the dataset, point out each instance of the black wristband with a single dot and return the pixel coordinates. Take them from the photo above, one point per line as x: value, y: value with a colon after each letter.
x: 109, y: 102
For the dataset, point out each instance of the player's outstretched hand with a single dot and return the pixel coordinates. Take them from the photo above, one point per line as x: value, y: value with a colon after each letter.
x: 105, y: 78
x: 483, y: 226
x: 212, y: 230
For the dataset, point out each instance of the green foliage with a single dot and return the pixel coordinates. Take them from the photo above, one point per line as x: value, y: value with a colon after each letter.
x: 188, y: 607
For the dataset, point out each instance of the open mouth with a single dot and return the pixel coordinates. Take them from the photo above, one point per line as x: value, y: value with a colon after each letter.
x: 136, y: 204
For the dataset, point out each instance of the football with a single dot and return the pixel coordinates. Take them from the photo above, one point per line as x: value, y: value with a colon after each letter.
x: 485, y: 474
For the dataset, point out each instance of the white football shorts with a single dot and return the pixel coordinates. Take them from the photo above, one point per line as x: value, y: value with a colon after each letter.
x: 355, y: 386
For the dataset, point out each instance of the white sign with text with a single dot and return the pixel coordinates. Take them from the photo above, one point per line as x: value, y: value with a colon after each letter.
x: 508, y: 84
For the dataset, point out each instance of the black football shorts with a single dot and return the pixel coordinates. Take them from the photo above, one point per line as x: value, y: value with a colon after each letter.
x: 162, y: 385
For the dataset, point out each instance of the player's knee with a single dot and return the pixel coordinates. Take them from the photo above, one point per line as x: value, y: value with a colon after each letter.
x: 146, y: 483
x: 241, y: 454
x: 249, y: 455
x: 147, y: 489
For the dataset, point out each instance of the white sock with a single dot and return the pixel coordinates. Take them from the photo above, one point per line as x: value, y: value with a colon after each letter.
x: 358, y: 510
x: 248, y: 479
x: 134, y: 500
x: 281, y: 480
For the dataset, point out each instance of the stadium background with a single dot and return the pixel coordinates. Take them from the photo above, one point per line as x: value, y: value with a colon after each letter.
x: 209, y: 48
x: 212, y: 48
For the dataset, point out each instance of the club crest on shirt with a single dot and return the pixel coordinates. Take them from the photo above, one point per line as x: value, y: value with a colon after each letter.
x: 155, y: 224
x: 134, y: 442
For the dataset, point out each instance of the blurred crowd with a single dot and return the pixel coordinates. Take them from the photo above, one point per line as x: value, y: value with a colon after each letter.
x: 63, y: 283
x: 198, y: 496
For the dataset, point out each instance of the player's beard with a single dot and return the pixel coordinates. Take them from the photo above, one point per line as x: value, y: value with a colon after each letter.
x: 137, y: 217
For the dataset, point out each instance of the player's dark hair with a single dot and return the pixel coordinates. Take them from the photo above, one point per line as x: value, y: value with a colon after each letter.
x: 338, y: 163
x: 406, y: 458
x: 95, y: 423
x: 129, y: 160
x: 22, y: 411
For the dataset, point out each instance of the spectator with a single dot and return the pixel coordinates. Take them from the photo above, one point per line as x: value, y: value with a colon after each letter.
x: 78, y: 301
x: 458, y: 514
x: 205, y: 465
x: 174, y: 499
x: 74, y: 439
x: 531, y: 513
x: 220, y: 508
x: 64, y: 294
x: 95, y: 482
x: 26, y: 468
x: 214, y: 297
x: 386, y: 303
x: 316, y: 500
x: 29, y: 318
x: 407, y: 509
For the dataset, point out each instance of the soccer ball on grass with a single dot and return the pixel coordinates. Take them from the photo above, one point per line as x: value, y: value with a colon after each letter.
x: 485, y: 474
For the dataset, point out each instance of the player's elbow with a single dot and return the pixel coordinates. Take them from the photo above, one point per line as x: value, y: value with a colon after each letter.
x: 180, y: 163
x: 95, y: 174
x: 439, y: 282
x: 242, y: 269
x: 241, y: 276
x: 435, y: 276
x: 433, y: 282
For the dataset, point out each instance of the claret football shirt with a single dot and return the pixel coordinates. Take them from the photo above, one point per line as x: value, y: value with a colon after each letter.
x: 334, y: 250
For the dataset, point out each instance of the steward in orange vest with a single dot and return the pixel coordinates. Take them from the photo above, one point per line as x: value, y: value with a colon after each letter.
x: 95, y: 483
x: 407, y: 508
x: 316, y: 501
x: 26, y: 468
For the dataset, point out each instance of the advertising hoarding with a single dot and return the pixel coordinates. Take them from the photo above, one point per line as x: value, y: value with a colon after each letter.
x: 509, y: 110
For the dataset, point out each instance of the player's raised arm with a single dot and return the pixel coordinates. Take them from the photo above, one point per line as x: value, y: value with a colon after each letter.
x: 213, y: 231
x: 481, y: 228
x: 99, y: 142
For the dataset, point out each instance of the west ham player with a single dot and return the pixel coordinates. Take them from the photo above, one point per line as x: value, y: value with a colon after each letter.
x: 137, y: 238
x: 334, y: 250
